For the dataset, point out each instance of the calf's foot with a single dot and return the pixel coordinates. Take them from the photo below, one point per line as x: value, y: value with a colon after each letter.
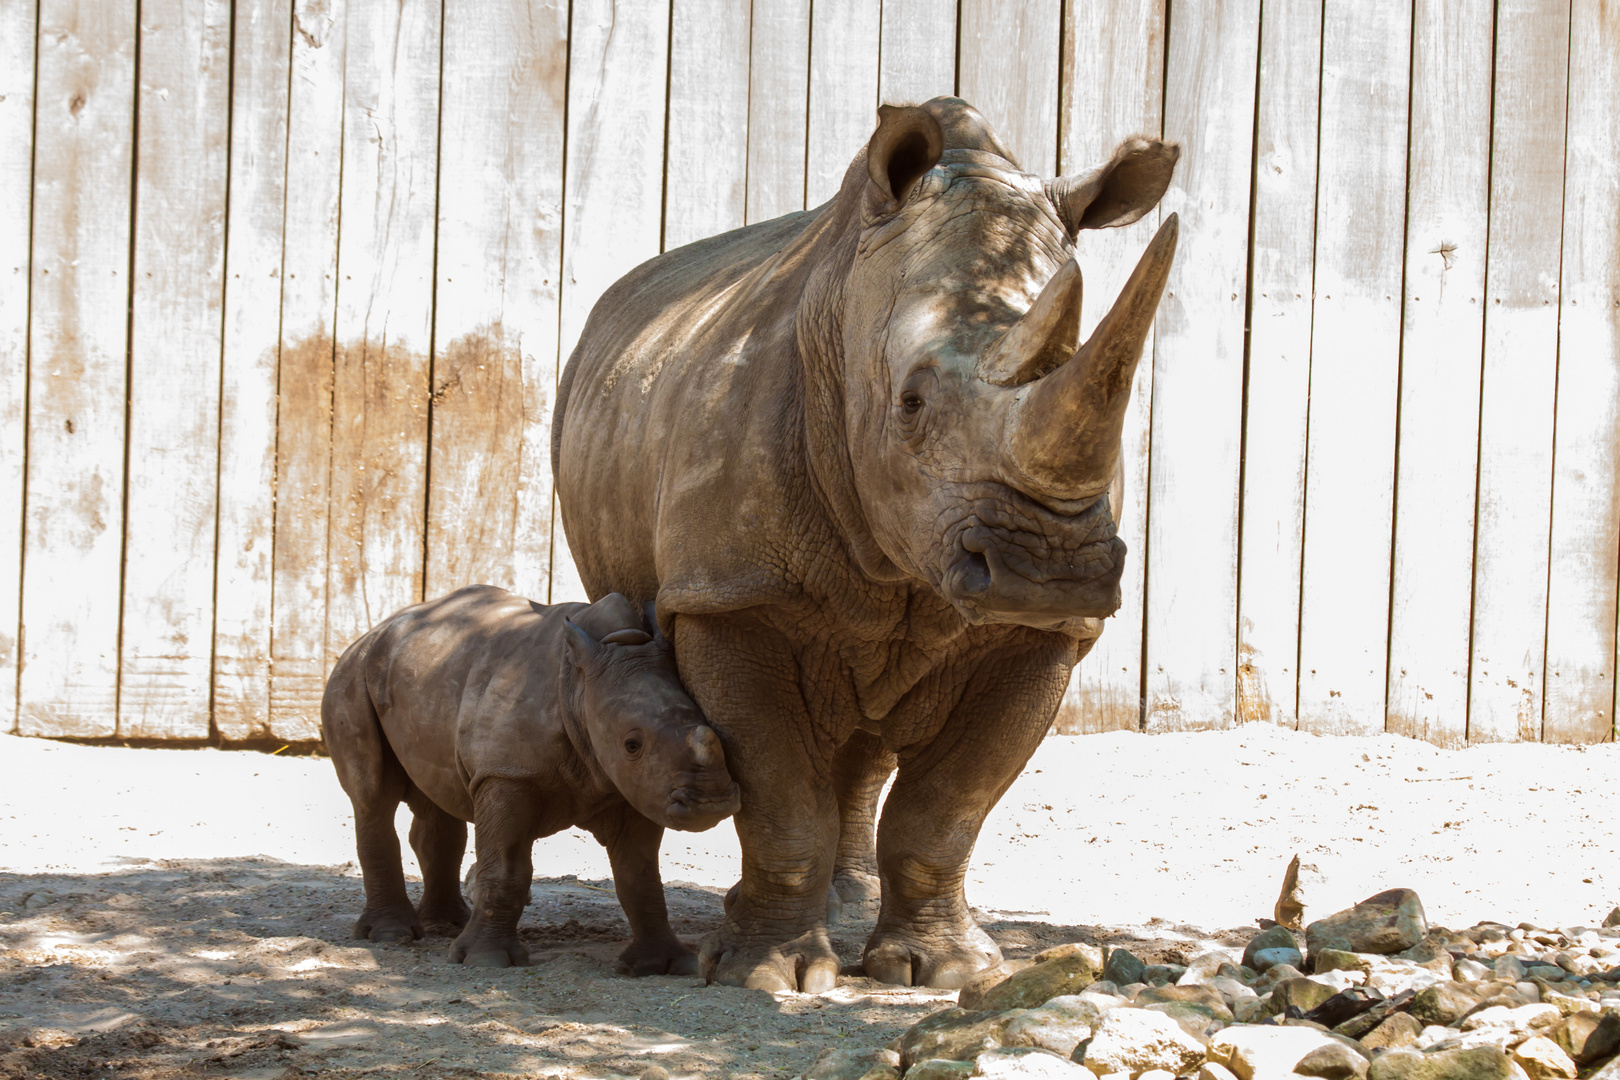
x: 444, y: 914
x: 641, y: 958
x: 387, y: 924
x: 943, y: 955
x: 486, y: 946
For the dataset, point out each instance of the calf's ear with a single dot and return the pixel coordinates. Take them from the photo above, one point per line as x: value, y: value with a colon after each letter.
x: 906, y: 144
x: 579, y: 646
x: 1119, y: 192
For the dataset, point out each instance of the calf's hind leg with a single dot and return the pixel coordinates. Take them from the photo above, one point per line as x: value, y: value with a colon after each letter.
x: 439, y: 840
x: 376, y: 784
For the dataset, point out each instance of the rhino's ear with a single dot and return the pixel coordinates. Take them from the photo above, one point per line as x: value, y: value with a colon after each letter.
x: 1117, y: 193
x: 906, y: 144
x: 579, y: 645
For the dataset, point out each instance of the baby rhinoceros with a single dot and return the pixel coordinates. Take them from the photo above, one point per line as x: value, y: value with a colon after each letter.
x: 524, y: 720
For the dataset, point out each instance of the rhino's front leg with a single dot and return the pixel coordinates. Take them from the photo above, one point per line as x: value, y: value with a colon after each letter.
x: 746, y: 678
x: 925, y: 935
x: 506, y: 821
x: 632, y: 845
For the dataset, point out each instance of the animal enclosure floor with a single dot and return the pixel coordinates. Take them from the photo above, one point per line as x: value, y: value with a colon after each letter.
x: 172, y: 913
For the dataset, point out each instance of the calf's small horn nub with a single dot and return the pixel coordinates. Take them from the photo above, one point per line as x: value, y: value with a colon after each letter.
x: 1063, y: 433
x: 706, y: 750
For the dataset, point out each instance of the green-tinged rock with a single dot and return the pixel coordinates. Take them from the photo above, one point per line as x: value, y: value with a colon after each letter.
x: 1393, y: 1032
x: 867, y: 1063
x: 1304, y: 993
x: 1479, y: 1063
x: 1060, y: 1024
x: 1026, y: 1063
x: 1066, y: 970
x: 940, y: 1069
x: 1280, y: 973
x: 1123, y: 967
x: 1277, y: 937
x: 1132, y: 1041
x: 1385, y: 923
x: 1266, y: 959
x: 1333, y: 1061
x: 1206, y: 996
x: 983, y: 980
x: 1196, y: 1020
x: 955, y: 1034
x: 1444, y: 1003
x: 1588, y: 1036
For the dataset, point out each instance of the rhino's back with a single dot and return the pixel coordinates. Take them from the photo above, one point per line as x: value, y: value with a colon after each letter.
x: 683, y: 374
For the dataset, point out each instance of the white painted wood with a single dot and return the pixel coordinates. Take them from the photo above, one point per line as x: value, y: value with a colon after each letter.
x: 1198, y: 372
x: 1113, y: 87
x: 778, y: 107
x: 304, y: 381
x: 1446, y: 196
x: 252, y: 330
x: 384, y: 316
x: 1008, y: 69
x: 1520, y: 371
x: 16, y: 192
x: 1586, y: 479
x: 499, y: 261
x: 174, y: 361
x: 73, y: 529
x: 918, y: 51
x: 1283, y: 254
x: 708, y: 120
x: 1355, y: 373
x: 615, y: 170
x: 843, y: 91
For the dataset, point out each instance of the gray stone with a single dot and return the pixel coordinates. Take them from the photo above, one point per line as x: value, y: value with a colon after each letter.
x: 34, y: 901
x: 1383, y: 923
x: 1339, y: 960
x: 1509, y: 968
x: 1061, y: 1024
x: 940, y: 1069
x: 1333, y: 1061
x: 1278, y: 975
x: 955, y: 1034
x: 1232, y: 990
x: 1026, y: 1063
x: 982, y: 980
x: 1196, y: 1020
x: 1155, y: 973
x: 1471, y: 971
x: 1588, y: 1037
x: 1123, y: 967
x: 1395, y: 1031
x: 1269, y: 958
x: 1302, y: 993
x: 1206, y: 997
x: 1444, y: 1003
x: 1357, y: 1026
x: 1067, y: 969
x: 869, y: 1063
x: 1277, y: 937
x: 1135, y: 1040
x: 1480, y: 1063
x: 1204, y: 967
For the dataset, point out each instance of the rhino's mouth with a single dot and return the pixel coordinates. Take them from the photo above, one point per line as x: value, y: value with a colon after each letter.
x: 1006, y: 562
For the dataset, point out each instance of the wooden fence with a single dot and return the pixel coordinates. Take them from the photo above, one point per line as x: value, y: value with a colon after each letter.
x: 286, y: 284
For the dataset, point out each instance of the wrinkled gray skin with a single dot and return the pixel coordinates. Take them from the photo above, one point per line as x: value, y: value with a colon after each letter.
x: 862, y: 461
x: 524, y: 720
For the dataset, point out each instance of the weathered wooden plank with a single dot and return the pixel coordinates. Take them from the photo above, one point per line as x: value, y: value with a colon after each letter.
x: 917, y: 51
x: 615, y: 171
x: 17, y: 36
x: 1520, y: 372
x: 1278, y: 391
x: 1355, y: 367
x: 1198, y: 372
x: 304, y: 383
x: 1447, y: 198
x: 73, y: 528
x: 843, y: 91
x: 778, y: 107
x: 1586, y: 479
x: 1113, y: 87
x: 1008, y: 70
x: 174, y: 357
x: 708, y: 120
x: 247, y: 425
x: 499, y: 261
x: 384, y: 322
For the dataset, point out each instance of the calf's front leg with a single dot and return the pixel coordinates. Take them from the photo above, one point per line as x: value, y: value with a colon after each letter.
x: 632, y: 846
x: 506, y: 822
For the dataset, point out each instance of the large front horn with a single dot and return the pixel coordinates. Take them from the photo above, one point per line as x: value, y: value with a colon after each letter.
x: 1063, y: 433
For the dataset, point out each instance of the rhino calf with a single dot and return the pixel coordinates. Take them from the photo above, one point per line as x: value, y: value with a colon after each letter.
x: 525, y: 720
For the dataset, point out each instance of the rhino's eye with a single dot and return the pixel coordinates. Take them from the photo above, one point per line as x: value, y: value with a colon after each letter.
x: 911, y: 402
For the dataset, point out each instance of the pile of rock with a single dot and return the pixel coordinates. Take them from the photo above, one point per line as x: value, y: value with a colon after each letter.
x: 1375, y: 992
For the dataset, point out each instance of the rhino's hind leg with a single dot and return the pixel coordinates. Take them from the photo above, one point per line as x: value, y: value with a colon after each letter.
x: 860, y: 769
x: 925, y: 935
x: 632, y: 845
x: 745, y: 678
x: 505, y: 825
x: 439, y: 840
x: 376, y: 784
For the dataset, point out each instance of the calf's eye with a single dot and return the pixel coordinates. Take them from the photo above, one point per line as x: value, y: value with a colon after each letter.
x: 632, y: 745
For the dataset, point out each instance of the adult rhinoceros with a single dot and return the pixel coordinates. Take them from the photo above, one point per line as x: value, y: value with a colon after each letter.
x: 861, y: 460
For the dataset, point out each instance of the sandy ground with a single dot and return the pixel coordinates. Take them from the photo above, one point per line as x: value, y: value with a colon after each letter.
x: 185, y: 913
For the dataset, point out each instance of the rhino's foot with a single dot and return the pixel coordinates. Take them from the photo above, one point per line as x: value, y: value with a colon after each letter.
x: 806, y: 964
x: 488, y: 950
x: 941, y: 957
x: 656, y: 958
x: 387, y: 926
